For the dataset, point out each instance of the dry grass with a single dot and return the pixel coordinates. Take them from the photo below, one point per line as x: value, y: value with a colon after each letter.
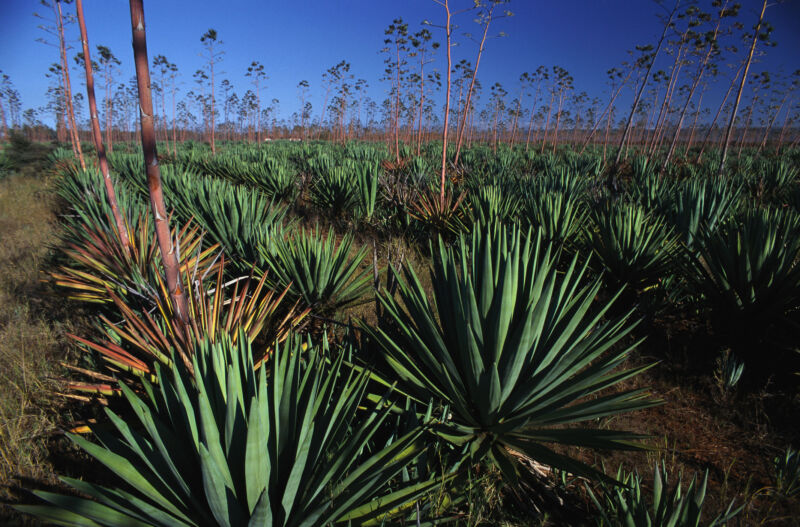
x: 31, y: 339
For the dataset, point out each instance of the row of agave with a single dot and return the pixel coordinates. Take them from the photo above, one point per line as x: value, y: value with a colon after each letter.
x: 669, y: 237
x: 510, y: 351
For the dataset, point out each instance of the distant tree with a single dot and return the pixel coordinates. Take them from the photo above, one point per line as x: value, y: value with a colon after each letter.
x: 164, y: 71
x: 760, y: 82
x: 200, y: 99
x: 396, y: 43
x: 647, y: 59
x: 423, y: 50
x: 552, y: 88
x: 107, y: 66
x: 577, y: 102
x: 563, y: 84
x: 305, y: 107
x: 9, y: 97
x: 256, y: 72
x: 212, y: 57
x: 498, y: 104
x: 795, y: 87
x: 486, y: 14
x: 516, y: 109
x: 56, y: 102
x: 540, y: 75
x: 58, y: 31
x: 360, y: 89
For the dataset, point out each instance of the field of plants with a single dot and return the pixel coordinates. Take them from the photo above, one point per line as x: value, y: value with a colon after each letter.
x: 558, y: 341
x: 432, y: 301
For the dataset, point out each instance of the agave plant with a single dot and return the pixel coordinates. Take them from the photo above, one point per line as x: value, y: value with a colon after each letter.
x: 274, y: 179
x: 749, y: 270
x: 728, y: 371
x: 367, y: 177
x: 650, y: 190
x: 131, y: 349
x: 237, y: 217
x: 701, y: 204
x: 557, y: 215
x: 630, y: 505
x: 322, y: 275
x: 228, y: 445
x: 633, y: 247
x: 446, y: 216
x: 770, y: 179
x: 336, y: 192
x: 99, y: 264
x: 493, y: 203
x: 787, y: 473
x: 514, y: 348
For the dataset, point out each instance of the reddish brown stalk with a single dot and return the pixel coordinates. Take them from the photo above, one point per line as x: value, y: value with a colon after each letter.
x: 109, y: 119
x: 96, y: 135
x: 174, y: 136
x: 168, y: 251
x: 397, y: 102
x: 421, y: 98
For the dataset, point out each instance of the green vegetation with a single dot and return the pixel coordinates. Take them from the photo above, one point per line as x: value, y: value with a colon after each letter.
x: 400, y: 356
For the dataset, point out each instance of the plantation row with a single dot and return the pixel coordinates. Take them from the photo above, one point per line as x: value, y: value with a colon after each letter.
x: 510, y: 341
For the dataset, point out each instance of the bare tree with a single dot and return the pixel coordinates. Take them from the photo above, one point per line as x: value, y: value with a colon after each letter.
x: 421, y: 42
x: 539, y: 76
x: 757, y: 35
x: 58, y: 32
x: 651, y: 60
x: 256, y: 72
x: 485, y: 17
x: 302, y: 90
x: 209, y: 40
x: 108, y: 63
x: 396, y: 48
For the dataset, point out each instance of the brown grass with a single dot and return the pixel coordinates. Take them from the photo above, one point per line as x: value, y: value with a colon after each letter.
x: 31, y: 340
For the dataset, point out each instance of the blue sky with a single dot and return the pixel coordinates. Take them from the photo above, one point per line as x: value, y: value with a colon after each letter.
x: 301, y: 39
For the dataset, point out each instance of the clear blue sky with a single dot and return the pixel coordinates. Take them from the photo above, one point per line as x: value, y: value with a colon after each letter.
x: 300, y: 39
